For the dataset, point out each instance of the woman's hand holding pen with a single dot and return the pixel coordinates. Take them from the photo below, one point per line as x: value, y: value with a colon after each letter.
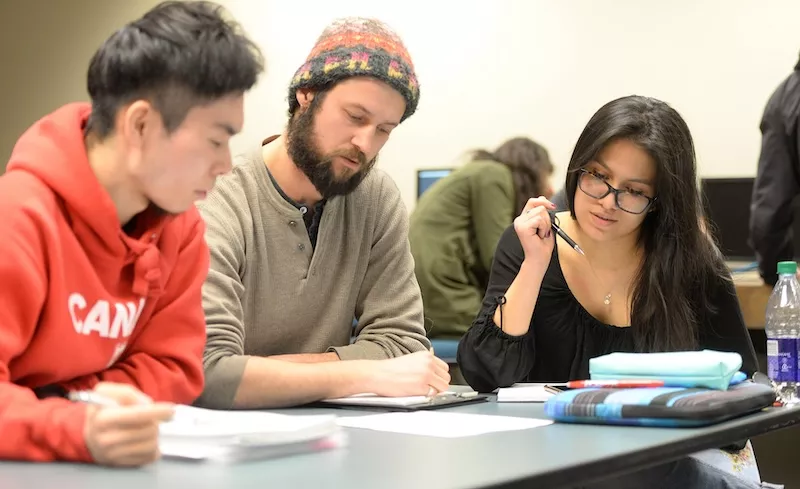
x: 535, y: 232
x: 534, y: 229
x: 124, y: 432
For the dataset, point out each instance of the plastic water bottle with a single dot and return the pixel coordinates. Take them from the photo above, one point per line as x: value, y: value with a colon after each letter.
x: 783, y: 331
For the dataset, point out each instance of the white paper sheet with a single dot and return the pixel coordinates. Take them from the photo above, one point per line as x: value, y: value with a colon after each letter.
x: 524, y: 393
x: 441, y: 424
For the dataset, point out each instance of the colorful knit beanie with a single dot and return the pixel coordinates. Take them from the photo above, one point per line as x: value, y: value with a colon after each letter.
x: 356, y: 46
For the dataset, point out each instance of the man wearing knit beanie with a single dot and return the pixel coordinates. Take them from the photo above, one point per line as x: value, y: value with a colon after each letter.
x: 306, y: 235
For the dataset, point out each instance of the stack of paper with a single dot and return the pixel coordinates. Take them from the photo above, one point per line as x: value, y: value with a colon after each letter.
x: 204, y: 434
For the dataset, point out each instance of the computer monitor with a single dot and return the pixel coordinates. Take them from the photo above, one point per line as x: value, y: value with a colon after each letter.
x: 727, y: 207
x: 426, y: 178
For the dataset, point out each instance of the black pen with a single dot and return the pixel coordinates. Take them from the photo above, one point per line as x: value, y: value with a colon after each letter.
x: 569, y: 240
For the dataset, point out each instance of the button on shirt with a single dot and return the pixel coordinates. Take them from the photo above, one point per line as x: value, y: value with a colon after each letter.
x: 312, y: 216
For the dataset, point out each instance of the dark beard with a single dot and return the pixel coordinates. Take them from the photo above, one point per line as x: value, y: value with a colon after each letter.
x: 318, y: 167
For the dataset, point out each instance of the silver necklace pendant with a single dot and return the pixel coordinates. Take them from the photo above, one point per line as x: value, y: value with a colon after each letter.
x: 607, y: 299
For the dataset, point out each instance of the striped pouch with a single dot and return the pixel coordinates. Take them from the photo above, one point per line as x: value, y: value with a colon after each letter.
x: 658, y: 406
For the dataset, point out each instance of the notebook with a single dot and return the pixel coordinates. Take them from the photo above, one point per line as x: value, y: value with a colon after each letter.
x: 410, y: 403
x: 205, y: 434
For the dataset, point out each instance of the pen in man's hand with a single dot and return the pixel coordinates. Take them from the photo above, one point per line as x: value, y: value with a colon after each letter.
x: 431, y: 391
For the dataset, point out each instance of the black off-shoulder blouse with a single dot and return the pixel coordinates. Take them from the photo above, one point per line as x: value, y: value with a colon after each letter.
x: 563, y: 336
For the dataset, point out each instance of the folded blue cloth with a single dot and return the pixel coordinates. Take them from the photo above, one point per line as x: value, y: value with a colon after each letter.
x: 738, y: 378
x: 707, y: 368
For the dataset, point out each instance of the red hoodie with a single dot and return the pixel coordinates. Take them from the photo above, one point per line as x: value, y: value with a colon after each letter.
x: 83, y: 302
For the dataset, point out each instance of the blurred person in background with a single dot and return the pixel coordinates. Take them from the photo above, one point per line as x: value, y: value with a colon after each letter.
x: 457, y: 223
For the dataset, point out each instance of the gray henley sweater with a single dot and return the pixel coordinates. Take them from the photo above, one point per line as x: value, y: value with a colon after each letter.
x: 269, y: 292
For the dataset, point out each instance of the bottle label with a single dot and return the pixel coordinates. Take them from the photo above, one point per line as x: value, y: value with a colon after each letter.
x: 782, y: 359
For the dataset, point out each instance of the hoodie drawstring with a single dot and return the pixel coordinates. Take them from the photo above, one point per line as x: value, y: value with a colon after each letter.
x: 147, y: 272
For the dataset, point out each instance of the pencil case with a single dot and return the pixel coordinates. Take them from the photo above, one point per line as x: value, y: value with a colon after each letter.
x: 658, y: 406
x: 707, y: 368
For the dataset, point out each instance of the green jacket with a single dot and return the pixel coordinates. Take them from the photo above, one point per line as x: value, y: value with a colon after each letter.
x: 453, y: 232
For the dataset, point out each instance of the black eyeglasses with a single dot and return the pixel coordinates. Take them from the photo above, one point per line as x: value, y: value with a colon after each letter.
x: 595, y: 187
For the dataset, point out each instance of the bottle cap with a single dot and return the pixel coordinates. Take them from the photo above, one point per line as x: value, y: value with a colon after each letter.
x: 787, y: 267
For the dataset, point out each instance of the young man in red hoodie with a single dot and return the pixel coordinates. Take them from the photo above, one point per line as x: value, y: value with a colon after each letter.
x: 103, y: 256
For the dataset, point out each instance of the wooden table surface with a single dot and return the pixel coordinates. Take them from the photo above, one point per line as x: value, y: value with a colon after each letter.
x: 753, y: 295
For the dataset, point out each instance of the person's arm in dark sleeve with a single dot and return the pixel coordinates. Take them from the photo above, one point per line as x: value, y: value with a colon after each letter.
x: 775, y: 187
x: 487, y: 356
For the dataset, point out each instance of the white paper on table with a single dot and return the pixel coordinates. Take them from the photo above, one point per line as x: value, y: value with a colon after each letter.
x: 524, y: 393
x: 441, y: 424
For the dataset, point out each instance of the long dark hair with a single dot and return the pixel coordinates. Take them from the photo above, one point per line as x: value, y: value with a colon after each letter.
x: 529, y: 163
x: 681, y: 261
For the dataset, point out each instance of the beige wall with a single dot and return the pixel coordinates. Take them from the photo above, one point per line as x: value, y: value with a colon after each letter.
x: 45, y: 47
x: 490, y: 70
x: 537, y: 68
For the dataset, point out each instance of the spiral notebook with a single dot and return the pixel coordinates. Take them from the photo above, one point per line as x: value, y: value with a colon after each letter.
x: 409, y: 403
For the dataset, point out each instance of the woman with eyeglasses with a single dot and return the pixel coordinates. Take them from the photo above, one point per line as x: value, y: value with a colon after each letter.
x: 651, y: 278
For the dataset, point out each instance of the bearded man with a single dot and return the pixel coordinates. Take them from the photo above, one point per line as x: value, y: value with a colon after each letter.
x: 306, y: 235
